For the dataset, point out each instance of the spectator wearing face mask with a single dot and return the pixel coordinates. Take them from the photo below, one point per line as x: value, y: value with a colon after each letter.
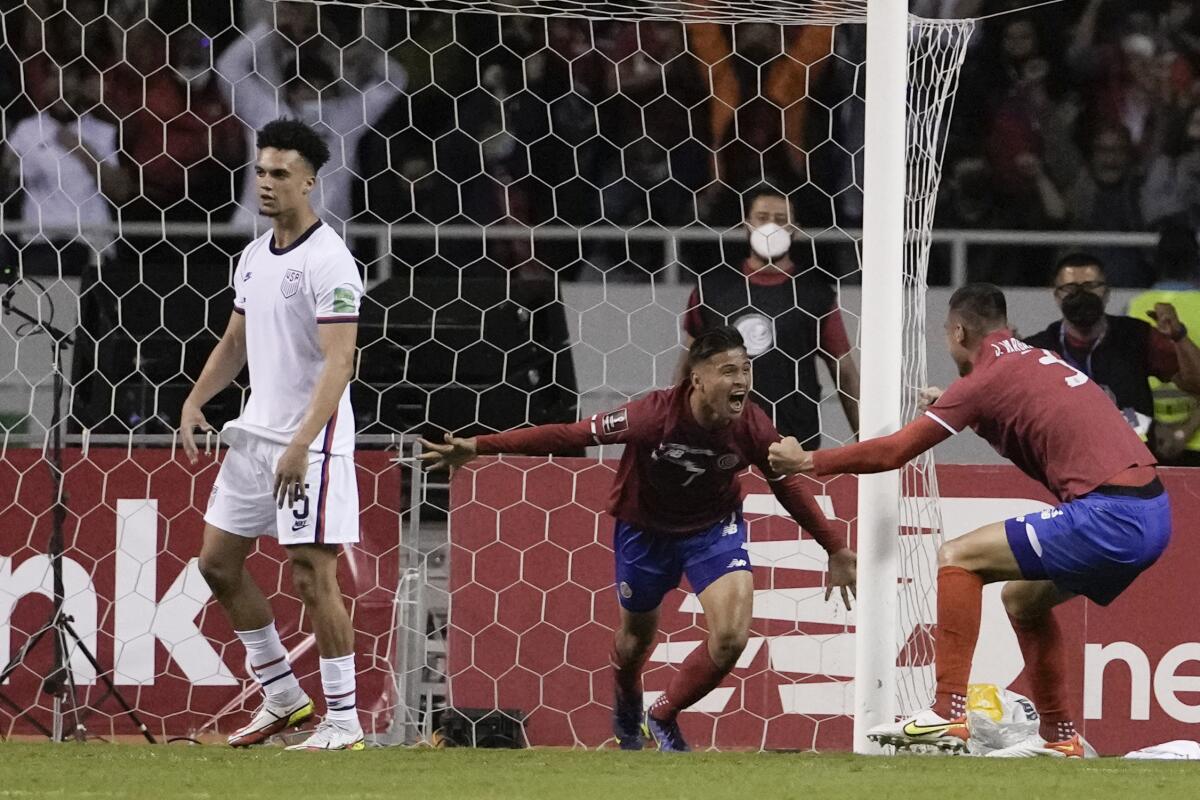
x: 788, y: 318
x: 1118, y: 353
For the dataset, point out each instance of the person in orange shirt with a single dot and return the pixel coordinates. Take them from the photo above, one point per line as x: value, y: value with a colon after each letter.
x: 758, y: 132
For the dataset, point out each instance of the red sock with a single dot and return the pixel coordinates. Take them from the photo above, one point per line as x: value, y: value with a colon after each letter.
x: 959, y: 606
x: 627, y: 673
x: 697, y: 676
x: 1045, y: 661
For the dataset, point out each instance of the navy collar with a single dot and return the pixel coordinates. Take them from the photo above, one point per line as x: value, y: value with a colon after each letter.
x: 303, y: 238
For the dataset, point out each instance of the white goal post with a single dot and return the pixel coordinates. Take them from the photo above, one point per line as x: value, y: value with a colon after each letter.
x: 881, y: 343
x: 540, y: 177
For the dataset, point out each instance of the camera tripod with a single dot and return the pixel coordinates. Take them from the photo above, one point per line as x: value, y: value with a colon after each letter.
x: 60, y: 682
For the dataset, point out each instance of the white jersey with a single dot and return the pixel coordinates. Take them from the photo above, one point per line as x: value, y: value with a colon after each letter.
x: 284, y: 295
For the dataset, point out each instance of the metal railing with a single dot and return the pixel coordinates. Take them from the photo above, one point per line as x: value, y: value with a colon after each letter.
x: 384, y: 235
x: 208, y: 443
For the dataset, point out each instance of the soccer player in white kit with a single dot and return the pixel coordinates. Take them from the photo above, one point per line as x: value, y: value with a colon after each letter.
x: 289, y: 470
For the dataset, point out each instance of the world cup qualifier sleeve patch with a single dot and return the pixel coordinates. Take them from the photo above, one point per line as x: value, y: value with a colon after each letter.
x: 614, y: 422
x: 345, y: 300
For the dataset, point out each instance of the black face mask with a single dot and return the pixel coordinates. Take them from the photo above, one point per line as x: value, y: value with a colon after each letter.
x: 1083, y: 309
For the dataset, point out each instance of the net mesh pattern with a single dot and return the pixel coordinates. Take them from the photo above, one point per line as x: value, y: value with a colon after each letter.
x: 532, y: 192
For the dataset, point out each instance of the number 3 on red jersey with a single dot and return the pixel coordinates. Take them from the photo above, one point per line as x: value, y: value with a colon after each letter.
x: 1076, y: 378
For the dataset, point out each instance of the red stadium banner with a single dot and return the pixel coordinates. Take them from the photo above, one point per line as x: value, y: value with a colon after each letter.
x: 533, y: 607
x: 133, y: 534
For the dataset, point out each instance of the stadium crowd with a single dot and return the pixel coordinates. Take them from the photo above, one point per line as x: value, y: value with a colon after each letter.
x: 1074, y: 116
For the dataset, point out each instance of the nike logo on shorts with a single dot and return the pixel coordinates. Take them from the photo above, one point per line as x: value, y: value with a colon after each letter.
x: 298, y: 525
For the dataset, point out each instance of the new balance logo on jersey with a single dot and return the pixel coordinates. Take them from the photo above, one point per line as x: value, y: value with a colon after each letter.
x: 299, y: 524
x: 730, y: 528
x: 736, y: 563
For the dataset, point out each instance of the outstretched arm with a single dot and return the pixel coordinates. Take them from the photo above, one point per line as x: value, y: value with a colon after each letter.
x: 874, y: 455
x: 619, y: 426
x: 538, y: 440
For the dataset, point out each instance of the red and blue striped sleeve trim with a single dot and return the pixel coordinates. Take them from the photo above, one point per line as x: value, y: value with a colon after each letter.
x: 241, y: 311
x: 345, y: 318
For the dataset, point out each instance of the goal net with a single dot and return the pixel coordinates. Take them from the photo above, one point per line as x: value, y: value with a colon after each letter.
x: 532, y: 191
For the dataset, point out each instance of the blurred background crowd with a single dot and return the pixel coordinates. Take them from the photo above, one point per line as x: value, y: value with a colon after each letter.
x: 128, y: 145
x: 1075, y: 116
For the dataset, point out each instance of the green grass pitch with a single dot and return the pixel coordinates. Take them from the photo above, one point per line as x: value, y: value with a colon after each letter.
x: 96, y: 771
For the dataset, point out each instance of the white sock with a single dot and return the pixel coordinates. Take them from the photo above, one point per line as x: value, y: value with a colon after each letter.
x: 268, y: 660
x: 337, y: 679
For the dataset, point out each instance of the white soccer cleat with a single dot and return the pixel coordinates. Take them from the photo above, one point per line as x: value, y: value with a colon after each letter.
x: 927, y: 729
x: 1037, y: 747
x: 331, y: 736
x: 271, y: 719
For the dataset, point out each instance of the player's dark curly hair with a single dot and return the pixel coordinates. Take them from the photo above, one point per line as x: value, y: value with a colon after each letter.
x: 981, y: 307
x: 292, y: 134
x: 713, y: 341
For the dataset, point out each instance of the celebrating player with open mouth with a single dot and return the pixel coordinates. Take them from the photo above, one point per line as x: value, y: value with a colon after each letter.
x: 677, y: 504
x: 1062, y: 430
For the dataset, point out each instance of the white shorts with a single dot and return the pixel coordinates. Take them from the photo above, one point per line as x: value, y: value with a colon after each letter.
x: 243, y: 502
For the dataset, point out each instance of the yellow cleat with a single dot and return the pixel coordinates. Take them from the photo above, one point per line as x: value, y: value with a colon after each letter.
x: 925, y: 729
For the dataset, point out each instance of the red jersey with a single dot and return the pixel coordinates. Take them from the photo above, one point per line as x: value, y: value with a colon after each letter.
x: 1044, y: 415
x: 1036, y: 410
x: 675, y: 476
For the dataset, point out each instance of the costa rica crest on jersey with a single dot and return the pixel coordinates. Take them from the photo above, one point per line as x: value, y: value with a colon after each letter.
x: 291, y: 282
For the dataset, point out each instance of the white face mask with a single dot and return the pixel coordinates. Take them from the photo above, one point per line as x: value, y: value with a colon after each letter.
x: 770, y: 241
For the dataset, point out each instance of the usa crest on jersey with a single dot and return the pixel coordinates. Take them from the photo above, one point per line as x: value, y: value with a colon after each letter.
x: 291, y: 282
